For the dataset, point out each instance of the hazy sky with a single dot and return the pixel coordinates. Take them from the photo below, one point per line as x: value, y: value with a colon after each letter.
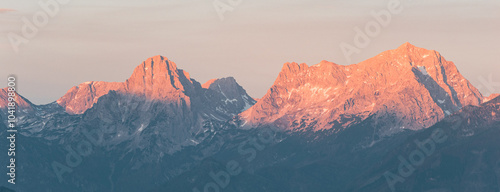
x: 97, y: 40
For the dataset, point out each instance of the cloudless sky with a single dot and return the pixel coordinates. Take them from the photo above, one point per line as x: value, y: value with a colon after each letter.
x: 96, y: 40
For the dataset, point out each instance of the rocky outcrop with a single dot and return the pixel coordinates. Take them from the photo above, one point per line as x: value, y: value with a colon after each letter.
x: 491, y: 97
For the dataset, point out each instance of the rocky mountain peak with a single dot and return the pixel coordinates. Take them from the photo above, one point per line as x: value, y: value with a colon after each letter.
x: 416, y: 87
x: 157, y: 78
x: 407, y: 46
x: 155, y: 71
x: 231, y: 93
x: 214, y: 83
x: 22, y: 103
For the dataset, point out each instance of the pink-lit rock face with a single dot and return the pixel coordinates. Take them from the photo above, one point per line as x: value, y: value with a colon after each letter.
x: 208, y: 83
x: 414, y: 86
x: 79, y: 98
x: 22, y: 103
x: 491, y: 97
x: 157, y: 78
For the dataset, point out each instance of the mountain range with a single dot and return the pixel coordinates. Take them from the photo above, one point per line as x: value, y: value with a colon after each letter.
x: 333, y: 128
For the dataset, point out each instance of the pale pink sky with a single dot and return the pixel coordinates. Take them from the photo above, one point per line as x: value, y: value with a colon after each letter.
x: 97, y: 40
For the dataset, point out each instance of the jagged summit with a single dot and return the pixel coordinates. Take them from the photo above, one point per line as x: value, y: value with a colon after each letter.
x: 406, y: 45
x: 407, y: 55
x: 157, y: 70
x: 409, y: 87
x: 411, y: 50
x: 157, y: 78
x: 232, y: 93
x: 21, y: 102
x: 157, y: 65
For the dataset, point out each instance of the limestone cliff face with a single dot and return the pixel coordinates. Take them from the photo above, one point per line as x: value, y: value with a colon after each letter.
x: 157, y: 78
x: 406, y: 88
